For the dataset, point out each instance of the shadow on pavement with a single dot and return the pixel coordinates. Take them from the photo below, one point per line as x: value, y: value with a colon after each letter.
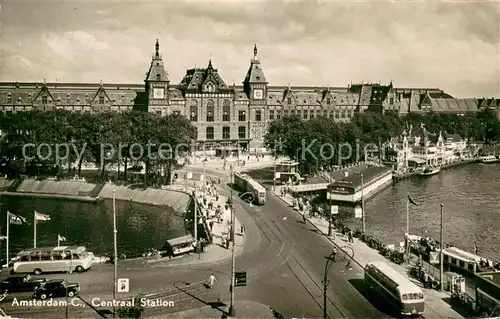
x: 378, y: 301
x: 214, y: 304
x: 461, y: 309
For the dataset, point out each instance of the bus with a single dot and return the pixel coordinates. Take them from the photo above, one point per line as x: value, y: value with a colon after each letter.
x: 399, y: 290
x: 52, y: 259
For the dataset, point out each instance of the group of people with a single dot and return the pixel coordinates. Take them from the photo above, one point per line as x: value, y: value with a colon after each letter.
x: 486, y: 264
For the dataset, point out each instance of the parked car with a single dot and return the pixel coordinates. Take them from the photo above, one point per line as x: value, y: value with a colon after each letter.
x: 21, y: 283
x: 57, y: 288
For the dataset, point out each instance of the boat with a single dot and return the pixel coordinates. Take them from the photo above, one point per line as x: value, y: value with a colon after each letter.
x: 488, y: 159
x: 429, y: 170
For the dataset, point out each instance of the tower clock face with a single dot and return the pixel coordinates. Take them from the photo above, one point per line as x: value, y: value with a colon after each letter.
x: 158, y: 93
x: 258, y: 94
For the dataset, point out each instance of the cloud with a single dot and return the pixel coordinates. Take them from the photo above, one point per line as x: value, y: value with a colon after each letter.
x: 454, y: 46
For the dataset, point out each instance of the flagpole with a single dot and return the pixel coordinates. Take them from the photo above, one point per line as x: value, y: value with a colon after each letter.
x: 34, y: 227
x: 58, y: 241
x: 407, y: 237
x: 7, y: 240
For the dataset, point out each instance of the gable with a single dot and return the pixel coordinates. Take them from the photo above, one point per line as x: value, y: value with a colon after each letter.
x: 101, y: 92
x: 44, y: 91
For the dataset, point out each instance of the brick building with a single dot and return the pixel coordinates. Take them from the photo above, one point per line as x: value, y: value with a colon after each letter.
x: 224, y: 114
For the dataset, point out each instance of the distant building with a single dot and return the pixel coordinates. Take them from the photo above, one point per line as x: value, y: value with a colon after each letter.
x: 419, y: 147
x: 226, y: 115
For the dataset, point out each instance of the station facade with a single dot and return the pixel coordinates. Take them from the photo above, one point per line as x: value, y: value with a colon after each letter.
x: 224, y: 115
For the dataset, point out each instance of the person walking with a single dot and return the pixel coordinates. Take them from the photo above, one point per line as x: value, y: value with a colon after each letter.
x: 211, y: 281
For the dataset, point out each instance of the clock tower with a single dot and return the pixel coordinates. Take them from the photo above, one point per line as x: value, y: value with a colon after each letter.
x: 156, y: 83
x: 255, y: 87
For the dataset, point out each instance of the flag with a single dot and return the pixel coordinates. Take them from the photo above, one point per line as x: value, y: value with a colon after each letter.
x: 411, y: 201
x: 3, y: 237
x: 61, y: 238
x: 16, y: 219
x: 41, y: 217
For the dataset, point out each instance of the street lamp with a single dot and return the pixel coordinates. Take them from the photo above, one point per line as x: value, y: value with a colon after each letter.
x: 232, y: 311
x: 328, y: 264
x: 115, y: 232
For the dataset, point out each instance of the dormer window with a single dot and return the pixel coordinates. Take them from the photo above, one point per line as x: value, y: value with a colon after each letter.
x: 289, y: 100
x: 44, y: 99
x: 257, y: 77
x: 158, y: 77
x: 328, y: 100
x: 19, y: 100
x: 101, y: 99
x: 210, y: 87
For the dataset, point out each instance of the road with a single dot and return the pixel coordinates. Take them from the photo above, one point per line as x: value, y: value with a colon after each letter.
x: 284, y: 260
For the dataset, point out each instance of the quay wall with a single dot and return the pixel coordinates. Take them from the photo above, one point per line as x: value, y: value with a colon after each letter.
x: 80, y: 191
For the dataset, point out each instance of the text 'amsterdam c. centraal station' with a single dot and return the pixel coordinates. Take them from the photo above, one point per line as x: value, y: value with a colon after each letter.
x: 226, y: 115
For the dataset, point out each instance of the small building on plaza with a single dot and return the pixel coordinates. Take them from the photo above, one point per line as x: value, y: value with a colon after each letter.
x: 419, y: 147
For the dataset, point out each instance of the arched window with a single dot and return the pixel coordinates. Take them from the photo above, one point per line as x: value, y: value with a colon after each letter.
x: 210, y: 111
x: 210, y: 133
x: 194, y: 111
x: 226, y: 111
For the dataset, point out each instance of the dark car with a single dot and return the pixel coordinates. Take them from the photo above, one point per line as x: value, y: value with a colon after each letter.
x: 21, y: 284
x: 56, y: 288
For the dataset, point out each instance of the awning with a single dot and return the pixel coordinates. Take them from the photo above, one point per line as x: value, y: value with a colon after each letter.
x: 180, y: 240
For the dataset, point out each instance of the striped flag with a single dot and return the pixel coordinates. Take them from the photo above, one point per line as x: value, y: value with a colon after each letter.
x: 16, y: 219
x: 61, y: 238
x: 41, y: 217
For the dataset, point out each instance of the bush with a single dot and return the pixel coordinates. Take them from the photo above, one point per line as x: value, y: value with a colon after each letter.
x: 131, y: 312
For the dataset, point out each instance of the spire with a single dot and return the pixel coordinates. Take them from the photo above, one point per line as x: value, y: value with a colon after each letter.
x: 255, y: 51
x: 288, y: 86
x: 44, y: 81
x: 100, y: 83
x: 210, y: 64
x: 157, y: 49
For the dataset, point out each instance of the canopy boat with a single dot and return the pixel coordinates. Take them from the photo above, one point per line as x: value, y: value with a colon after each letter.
x: 428, y: 170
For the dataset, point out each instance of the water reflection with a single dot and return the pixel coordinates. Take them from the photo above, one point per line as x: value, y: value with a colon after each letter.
x: 140, y: 226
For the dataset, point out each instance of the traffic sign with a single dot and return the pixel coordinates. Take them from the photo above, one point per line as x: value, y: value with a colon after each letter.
x: 123, y: 284
x: 334, y: 210
x: 434, y: 258
x: 240, y: 278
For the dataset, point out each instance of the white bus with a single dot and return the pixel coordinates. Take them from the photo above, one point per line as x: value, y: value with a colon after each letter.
x: 52, y: 259
x: 248, y: 184
x: 395, y: 287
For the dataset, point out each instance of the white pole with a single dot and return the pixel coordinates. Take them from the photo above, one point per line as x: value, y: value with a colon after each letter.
x: 34, y: 229
x: 115, y: 231
x: 407, y: 237
x: 58, y: 242
x: 7, y: 240
x: 195, y: 217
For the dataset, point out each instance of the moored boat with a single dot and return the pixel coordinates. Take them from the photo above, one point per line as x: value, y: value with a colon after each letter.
x: 428, y: 171
x: 489, y: 159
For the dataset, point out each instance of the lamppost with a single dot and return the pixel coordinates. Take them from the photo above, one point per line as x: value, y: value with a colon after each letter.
x: 274, y: 169
x: 329, y: 260
x: 232, y: 311
x: 204, y: 174
x: 363, y: 225
x: 115, y: 232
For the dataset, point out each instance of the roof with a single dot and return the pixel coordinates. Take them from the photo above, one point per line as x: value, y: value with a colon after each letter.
x: 255, y: 74
x: 369, y: 174
x: 403, y: 283
x: 157, y: 69
x: 199, y: 79
x: 180, y: 240
x: 52, y: 249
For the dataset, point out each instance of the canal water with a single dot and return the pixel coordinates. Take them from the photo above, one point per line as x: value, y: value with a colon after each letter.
x: 140, y: 227
x: 471, y: 198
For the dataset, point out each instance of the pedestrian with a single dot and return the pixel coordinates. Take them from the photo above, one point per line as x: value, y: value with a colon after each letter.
x: 216, y: 197
x: 242, y: 228
x: 211, y: 281
x: 304, y: 217
x: 218, y: 180
x: 211, y: 225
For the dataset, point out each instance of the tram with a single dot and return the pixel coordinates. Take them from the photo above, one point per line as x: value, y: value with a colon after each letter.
x: 248, y: 184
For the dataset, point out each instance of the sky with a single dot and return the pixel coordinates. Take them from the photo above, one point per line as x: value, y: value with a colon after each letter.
x: 454, y: 45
